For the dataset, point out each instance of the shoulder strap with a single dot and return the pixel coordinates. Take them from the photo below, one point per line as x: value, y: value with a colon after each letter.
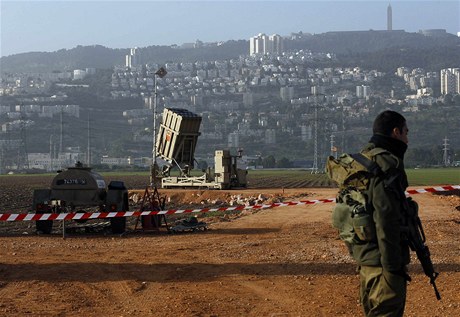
x: 371, y: 166
x: 376, y: 151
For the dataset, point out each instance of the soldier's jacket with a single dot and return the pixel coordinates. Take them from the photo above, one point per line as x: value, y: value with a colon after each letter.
x: 387, y: 200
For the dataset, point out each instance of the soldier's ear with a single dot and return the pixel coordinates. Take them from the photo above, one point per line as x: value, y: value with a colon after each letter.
x: 395, y: 133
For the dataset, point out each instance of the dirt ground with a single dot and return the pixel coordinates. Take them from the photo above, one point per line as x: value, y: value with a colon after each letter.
x: 283, y: 261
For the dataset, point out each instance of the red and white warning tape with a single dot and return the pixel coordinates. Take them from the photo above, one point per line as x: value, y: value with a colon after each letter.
x: 432, y: 189
x: 101, y: 215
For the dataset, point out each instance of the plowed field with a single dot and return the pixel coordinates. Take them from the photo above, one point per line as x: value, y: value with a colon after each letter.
x: 284, y: 261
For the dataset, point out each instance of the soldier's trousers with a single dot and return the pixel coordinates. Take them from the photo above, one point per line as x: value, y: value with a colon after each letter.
x: 382, y: 293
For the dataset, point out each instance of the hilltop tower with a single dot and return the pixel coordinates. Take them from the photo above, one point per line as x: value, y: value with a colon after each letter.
x: 389, y: 18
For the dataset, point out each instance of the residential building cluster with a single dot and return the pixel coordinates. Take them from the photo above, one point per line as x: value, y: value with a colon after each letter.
x: 20, y: 113
x: 262, y: 96
x: 417, y: 78
x: 187, y: 85
x: 213, y: 78
x: 53, y: 161
x: 39, y: 83
x: 30, y: 83
x: 233, y: 87
x: 423, y: 84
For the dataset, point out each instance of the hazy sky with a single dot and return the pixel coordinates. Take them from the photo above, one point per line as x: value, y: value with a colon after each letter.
x: 38, y: 25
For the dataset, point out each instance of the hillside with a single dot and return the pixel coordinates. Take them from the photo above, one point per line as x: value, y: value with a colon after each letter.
x: 360, y: 48
x: 98, y: 56
x: 356, y: 42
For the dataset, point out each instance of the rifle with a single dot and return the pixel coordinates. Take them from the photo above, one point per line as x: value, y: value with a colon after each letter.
x: 416, y: 240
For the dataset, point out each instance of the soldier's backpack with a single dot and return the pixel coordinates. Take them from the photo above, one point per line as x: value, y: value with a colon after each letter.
x: 352, y: 215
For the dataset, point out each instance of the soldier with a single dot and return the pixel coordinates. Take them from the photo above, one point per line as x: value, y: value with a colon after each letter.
x: 383, y: 261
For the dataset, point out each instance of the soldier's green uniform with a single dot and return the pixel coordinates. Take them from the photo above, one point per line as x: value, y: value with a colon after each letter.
x: 383, y: 261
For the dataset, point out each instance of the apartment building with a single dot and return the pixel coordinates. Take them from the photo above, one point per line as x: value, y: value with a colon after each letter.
x: 263, y: 44
x: 450, y: 81
x: 363, y: 91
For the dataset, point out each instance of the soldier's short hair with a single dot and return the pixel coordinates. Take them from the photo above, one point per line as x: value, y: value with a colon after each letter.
x: 386, y: 121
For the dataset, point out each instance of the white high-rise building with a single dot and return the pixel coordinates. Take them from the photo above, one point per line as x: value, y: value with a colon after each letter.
x: 263, y: 44
x: 79, y: 74
x: 363, y: 91
x: 275, y: 44
x: 257, y: 44
x: 133, y: 58
x: 450, y: 81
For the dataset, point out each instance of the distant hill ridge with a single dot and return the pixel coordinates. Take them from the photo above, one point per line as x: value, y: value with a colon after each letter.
x: 347, y: 44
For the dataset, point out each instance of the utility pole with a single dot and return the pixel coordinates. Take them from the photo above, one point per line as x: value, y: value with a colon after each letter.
x: 62, y: 132
x: 343, y: 130
x: 333, y: 148
x: 51, y: 153
x: 153, y: 168
x: 23, y: 157
x: 88, y: 154
x: 446, y: 152
x: 2, y: 159
x: 314, y: 169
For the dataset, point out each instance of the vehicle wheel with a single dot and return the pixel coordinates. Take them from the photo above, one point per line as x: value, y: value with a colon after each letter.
x: 44, y: 226
x: 118, y: 225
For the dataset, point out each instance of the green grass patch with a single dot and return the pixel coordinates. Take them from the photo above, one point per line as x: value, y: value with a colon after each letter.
x: 123, y: 173
x: 295, y: 173
x: 433, y: 176
x: 416, y: 177
x: 26, y: 175
x: 302, y: 178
